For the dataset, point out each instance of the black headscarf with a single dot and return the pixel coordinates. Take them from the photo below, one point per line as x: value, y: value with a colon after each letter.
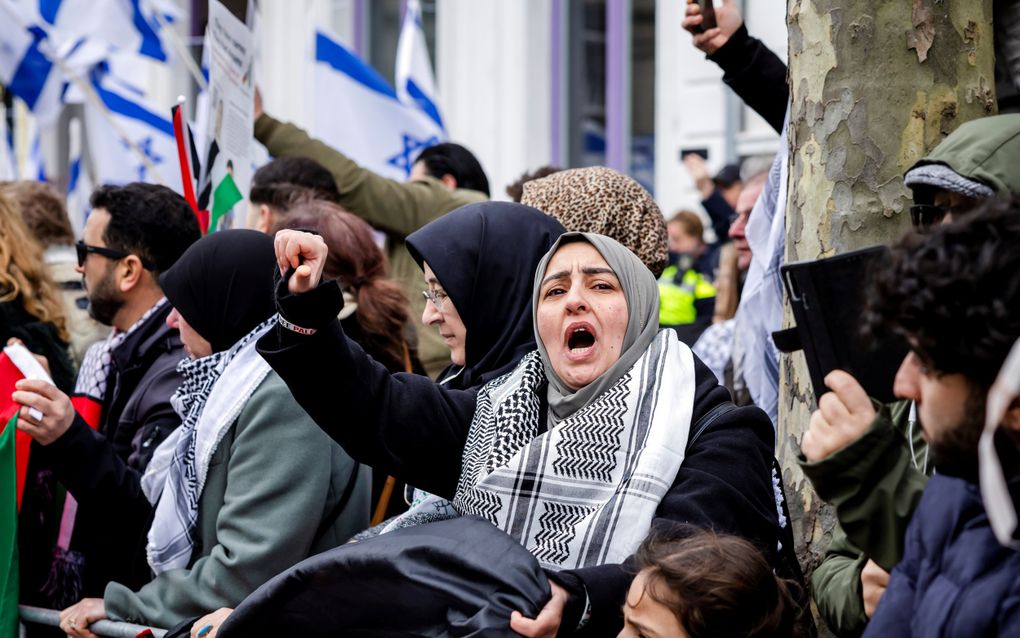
x: 485, y: 255
x: 223, y: 285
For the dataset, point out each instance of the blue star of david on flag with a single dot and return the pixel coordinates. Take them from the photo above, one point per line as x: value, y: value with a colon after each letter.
x: 404, y: 160
x: 145, y: 145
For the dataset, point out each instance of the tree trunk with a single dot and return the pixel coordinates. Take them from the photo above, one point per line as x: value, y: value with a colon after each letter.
x: 875, y: 85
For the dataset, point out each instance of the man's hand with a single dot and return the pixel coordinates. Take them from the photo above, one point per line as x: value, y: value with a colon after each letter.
x: 727, y: 19
x: 212, y: 621
x: 874, y: 580
x: 75, y: 620
x: 304, y: 252
x: 547, y: 623
x: 698, y: 171
x: 55, y: 406
x: 842, y: 417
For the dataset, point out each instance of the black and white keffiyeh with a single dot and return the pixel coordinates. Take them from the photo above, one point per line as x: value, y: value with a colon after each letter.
x: 213, y: 392
x: 584, y: 492
x: 98, y: 360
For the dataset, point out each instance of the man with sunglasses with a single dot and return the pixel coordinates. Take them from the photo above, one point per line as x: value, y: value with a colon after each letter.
x: 101, y: 440
x: 977, y: 161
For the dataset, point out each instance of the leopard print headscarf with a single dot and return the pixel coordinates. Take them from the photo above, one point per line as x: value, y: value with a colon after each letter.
x: 601, y: 200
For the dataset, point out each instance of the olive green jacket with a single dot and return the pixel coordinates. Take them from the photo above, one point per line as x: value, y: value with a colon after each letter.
x: 875, y: 484
x: 272, y: 482
x: 395, y: 208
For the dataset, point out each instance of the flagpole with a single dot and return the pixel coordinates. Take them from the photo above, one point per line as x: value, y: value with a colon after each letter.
x: 90, y: 94
x: 182, y: 50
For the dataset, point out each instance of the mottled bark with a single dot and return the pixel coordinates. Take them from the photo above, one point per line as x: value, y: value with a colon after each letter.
x: 875, y: 85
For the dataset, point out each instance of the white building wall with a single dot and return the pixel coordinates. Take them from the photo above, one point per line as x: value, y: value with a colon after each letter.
x: 493, y: 66
x: 691, y: 102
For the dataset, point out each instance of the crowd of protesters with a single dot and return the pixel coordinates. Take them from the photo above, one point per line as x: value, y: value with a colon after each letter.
x: 399, y: 408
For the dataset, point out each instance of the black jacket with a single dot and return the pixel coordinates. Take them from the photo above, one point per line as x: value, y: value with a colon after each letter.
x: 756, y: 74
x: 40, y: 337
x: 103, y: 471
x: 416, y: 430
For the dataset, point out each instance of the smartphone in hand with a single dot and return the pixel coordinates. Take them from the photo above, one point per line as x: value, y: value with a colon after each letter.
x: 707, y: 14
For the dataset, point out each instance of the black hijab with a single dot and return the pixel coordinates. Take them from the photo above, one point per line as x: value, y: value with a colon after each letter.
x: 223, y: 285
x: 485, y: 255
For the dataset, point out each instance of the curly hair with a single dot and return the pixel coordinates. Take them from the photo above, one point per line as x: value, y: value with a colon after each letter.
x: 23, y: 273
x: 359, y: 265
x: 718, y: 586
x: 954, y: 293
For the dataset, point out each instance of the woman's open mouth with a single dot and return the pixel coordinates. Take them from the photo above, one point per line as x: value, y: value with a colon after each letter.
x: 580, y: 339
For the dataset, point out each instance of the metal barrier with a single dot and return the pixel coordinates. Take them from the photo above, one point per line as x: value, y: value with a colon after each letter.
x: 107, y: 628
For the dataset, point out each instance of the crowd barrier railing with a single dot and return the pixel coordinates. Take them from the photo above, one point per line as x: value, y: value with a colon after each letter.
x: 105, y: 628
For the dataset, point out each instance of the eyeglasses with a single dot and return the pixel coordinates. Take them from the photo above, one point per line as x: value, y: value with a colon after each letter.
x: 924, y: 216
x: 436, y: 297
x: 84, y: 249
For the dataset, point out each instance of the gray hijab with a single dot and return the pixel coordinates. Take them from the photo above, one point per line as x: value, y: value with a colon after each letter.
x: 642, y: 295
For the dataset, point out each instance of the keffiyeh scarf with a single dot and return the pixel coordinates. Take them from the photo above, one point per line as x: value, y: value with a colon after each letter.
x: 213, y: 392
x: 584, y: 492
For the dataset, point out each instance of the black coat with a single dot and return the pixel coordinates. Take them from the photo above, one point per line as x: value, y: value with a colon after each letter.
x: 40, y: 337
x: 103, y: 471
x: 756, y: 74
x: 416, y: 430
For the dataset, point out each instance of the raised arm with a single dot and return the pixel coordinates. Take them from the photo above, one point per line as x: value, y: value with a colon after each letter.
x: 749, y: 67
x: 402, y: 424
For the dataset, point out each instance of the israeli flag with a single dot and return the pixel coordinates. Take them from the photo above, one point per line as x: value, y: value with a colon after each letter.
x: 25, y: 66
x: 131, y: 25
x: 113, y: 159
x: 416, y: 84
x: 358, y: 113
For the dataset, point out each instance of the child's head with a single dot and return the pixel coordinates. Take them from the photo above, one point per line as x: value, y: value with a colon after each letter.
x: 707, y: 585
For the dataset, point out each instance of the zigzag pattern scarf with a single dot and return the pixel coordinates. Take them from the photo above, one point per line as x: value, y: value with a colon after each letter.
x: 214, y: 390
x: 584, y: 492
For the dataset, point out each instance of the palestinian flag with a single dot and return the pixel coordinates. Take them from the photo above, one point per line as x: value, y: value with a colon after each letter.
x: 187, y: 157
x: 8, y: 531
x: 224, y: 197
x: 17, y: 363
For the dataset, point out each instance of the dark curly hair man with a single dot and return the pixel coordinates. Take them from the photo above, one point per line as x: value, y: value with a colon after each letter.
x: 955, y: 295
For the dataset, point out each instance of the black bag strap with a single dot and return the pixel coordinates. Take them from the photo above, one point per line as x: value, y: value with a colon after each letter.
x: 334, y: 513
x: 707, y: 419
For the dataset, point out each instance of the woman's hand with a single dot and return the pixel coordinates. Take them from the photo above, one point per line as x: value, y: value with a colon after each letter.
x: 304, y: 252
x: 55, y: 406
x: 547, y: 623
x: 75, y: 620
x: 208, y: 625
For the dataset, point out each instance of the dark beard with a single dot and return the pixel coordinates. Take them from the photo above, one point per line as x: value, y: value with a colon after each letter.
x: 104, y: 301
x: 955, y: 453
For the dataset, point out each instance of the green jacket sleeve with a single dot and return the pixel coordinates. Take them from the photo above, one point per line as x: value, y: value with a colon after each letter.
x: 836, y: 587
x: 267, y: 522
x: 874, y: 487
x: 397, y: 208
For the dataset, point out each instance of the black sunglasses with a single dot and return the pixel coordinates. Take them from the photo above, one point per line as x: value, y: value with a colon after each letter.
x: 924, y: 216
x: 84, y: 249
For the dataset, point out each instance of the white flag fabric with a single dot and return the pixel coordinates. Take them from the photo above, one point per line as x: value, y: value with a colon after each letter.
x: 358, y: 113
x: 416, y: 83
x: 130, y: 25
x: 761, y: 303
x: 25, y: 66
x: 113, y: 159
